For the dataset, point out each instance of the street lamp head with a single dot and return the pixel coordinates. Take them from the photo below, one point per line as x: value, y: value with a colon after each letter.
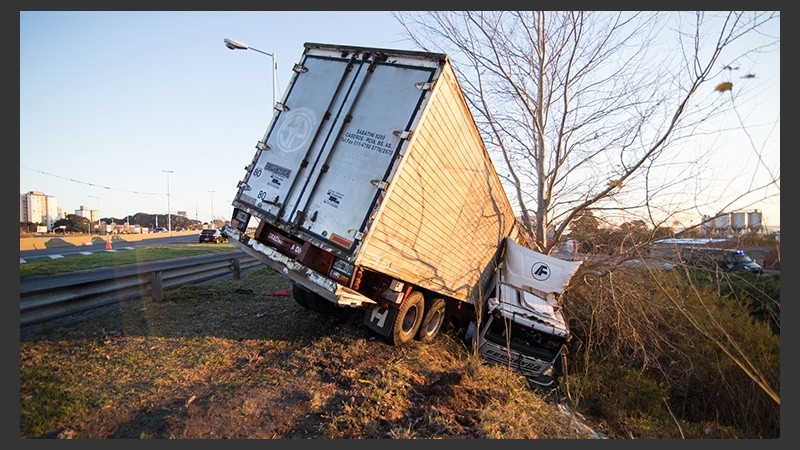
x: 234, y: 45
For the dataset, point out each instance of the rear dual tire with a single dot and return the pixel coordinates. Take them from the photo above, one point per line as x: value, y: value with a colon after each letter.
x: 310, y: 300
x: 432, y: 320
x: 408, y: 320
x: 418, y: 319
x: 299, y: 295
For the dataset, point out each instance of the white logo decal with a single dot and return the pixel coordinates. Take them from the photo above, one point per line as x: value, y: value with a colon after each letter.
x: 540, y: 271
x: 381, y: 317
x: 296, y: 130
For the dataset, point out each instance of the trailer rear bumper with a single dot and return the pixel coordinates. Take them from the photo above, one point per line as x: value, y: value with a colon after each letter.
x: 298, y: 273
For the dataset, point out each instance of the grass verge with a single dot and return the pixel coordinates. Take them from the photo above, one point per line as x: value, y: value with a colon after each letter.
x: 240, y: 359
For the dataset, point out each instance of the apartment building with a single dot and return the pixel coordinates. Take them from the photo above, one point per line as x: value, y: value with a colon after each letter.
x: 37, y: 207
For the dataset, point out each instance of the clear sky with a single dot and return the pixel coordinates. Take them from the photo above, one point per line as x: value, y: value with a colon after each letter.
x: 109, y: 101
x: 117, y: 108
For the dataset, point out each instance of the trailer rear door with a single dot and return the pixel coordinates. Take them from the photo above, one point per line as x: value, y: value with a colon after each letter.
x: 333, y: 150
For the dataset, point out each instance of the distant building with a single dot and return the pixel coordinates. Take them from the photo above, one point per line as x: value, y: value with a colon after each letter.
x: 37, y: 207
x: 92, y: 214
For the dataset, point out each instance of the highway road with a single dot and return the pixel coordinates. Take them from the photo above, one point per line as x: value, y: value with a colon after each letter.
x: 61, y: 252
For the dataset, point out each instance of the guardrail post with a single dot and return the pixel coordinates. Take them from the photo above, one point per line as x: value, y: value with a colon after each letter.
x: 156, y: 287
x: 237, y: 269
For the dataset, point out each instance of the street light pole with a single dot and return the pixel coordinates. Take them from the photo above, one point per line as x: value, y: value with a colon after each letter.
x: 236, y: 45
x: 212, y: 209
x: 98, y: 212
x: 169, y: 218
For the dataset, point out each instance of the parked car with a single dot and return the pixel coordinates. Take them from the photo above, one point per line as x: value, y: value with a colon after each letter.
x: 180, y: 229
x: 160, y: 230
x: 728, y: 260
x: 212, y: 235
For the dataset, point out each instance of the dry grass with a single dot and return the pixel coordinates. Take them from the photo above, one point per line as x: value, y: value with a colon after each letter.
x: 227, y: 360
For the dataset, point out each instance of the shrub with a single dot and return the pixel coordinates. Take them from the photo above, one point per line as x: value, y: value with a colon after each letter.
x: 649, y: 336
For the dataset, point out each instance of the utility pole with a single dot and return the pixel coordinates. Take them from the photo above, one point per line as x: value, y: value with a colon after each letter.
x: 169, y: 218
x: 212, y: 209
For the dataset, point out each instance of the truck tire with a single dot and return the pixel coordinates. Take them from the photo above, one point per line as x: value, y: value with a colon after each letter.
x: 299, y: 295
x: 432, y: 320
x: 408, y: 319
x: 312, y: 300
x: 319, y: 304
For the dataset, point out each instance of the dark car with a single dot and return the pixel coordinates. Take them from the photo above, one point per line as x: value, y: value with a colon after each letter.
x: 212, y: 235
x: 728, y: 260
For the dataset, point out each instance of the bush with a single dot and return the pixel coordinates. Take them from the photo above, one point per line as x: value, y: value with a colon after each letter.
x: 648, y: 337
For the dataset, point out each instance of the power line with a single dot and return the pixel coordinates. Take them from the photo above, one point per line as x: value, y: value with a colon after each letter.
x: 90, y: 184
x: 108, y: 187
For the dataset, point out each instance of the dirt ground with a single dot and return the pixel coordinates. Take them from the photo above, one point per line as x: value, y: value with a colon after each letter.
x: 239, y: 359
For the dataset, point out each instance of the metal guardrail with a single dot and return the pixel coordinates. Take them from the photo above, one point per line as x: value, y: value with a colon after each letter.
x: 50, y: 297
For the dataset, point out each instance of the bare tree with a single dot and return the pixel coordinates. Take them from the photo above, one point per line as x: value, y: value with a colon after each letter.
x: 599, y: 111
x: 615, y: 114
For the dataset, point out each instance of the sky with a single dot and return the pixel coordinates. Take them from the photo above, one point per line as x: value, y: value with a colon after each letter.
x: 136, y: 111
x: 117, y: 108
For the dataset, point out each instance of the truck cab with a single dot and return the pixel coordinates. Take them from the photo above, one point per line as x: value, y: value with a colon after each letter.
x: 522, y: 325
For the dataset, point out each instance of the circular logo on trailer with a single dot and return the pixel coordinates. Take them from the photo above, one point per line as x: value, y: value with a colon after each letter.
x: 296, y: 130
x: 540, y: 271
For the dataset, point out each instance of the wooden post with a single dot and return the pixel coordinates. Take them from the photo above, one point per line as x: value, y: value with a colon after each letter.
x: 156, y: 288
x: 237, y: 269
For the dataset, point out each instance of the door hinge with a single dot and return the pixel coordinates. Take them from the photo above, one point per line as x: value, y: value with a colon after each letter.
x: 380, y: 184
x: 402, y: 134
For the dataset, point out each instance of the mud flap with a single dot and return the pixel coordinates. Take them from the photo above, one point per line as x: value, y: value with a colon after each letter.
x: 380, y: 320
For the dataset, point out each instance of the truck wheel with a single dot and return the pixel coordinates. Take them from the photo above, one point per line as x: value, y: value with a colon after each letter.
x: 311, y: 300
x: 431, y: 321
x: 299, y: 295
x: 408, y: 319
x: 319, y: 304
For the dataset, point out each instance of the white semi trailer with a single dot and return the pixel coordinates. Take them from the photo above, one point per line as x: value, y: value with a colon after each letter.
x: 373, y: 189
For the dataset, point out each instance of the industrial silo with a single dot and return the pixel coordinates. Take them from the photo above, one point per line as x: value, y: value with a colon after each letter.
x: 738, y: 220
x: 722, y: 221
x: 754, y: 220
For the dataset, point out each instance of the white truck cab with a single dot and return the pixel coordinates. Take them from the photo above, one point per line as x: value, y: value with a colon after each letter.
x: 522, y: 324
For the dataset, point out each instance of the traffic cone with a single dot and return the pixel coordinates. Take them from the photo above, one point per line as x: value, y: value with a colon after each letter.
x: 108, y: 244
